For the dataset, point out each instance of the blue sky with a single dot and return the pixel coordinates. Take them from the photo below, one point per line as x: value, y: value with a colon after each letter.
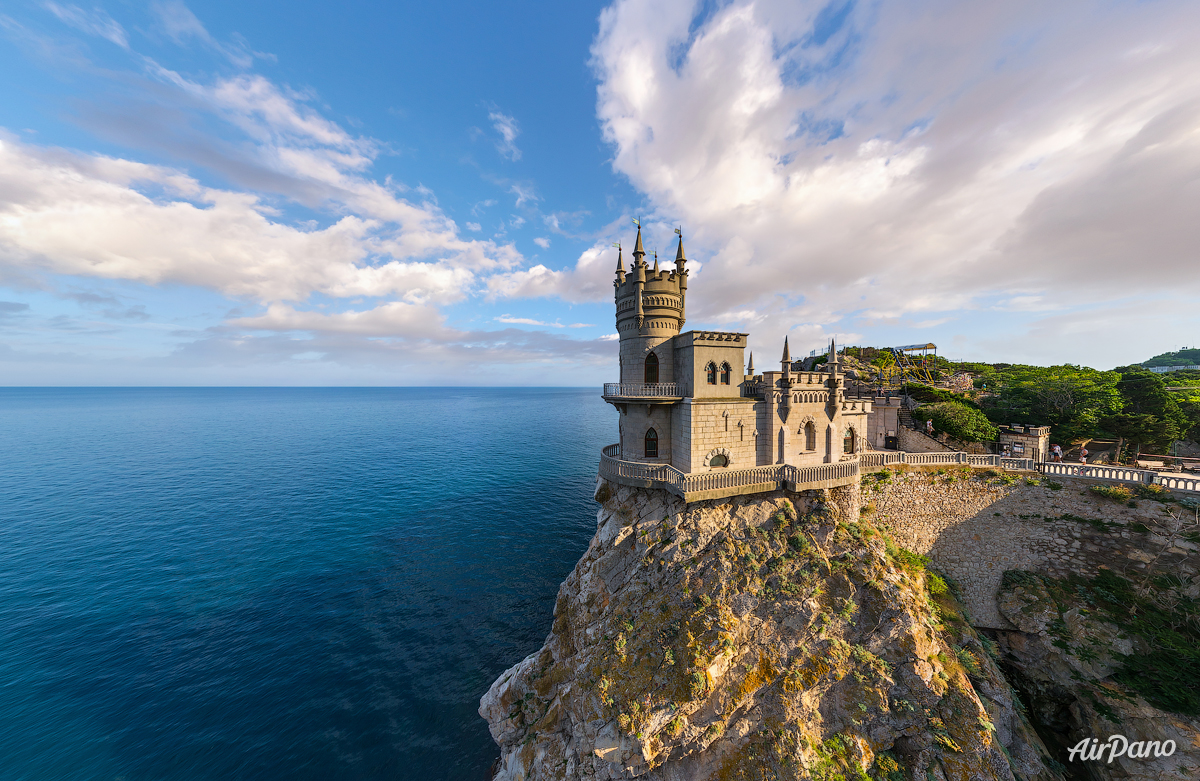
x: 304, y: 193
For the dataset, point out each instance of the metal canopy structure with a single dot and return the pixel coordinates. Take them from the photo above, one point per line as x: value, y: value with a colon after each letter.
x: 913, y: 364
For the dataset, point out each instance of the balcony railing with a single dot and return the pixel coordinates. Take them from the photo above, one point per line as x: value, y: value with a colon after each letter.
x: 728, y: 482
x: 722, y: 482
x: 642, y: 390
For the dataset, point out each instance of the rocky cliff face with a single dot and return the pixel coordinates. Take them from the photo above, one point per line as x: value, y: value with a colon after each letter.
x: 1103, y: 656
x: 774, y: 636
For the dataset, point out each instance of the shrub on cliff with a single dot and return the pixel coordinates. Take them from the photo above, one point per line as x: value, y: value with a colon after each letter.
x: 958, y: 420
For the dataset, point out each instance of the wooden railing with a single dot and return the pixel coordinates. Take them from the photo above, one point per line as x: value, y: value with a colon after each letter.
x: 642, y: 389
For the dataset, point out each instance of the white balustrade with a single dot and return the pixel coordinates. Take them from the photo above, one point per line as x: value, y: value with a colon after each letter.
x: 821, y: 475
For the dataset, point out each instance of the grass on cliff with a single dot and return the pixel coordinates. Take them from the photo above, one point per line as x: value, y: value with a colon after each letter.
x: 1156, y: 615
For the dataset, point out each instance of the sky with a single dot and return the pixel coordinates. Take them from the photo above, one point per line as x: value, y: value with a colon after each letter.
x: 226, y: 193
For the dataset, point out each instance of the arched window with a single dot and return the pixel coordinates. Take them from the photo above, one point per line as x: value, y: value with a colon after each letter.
x: 712, y: 373
x: 848, y: 442
x: 725, y: 372
x: 810, y: 436
x: 719, y: 460
x: 651, y: 369
x: 651, y: 444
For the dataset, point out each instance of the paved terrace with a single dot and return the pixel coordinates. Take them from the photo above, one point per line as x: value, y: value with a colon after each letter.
x: 722, y: 483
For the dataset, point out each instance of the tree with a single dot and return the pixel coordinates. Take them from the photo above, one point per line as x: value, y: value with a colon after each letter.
x: 1149, y: 415
x: 958, y: 420
x: 1072, y: 400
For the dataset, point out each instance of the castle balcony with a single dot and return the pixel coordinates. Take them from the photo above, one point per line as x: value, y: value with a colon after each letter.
x: 642, y: 392
x: 719, y: 483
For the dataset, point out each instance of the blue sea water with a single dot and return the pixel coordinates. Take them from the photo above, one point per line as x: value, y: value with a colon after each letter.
x: 278, y: 583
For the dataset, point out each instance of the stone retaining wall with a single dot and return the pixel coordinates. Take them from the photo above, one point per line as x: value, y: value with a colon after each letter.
x: 915, y: 442
x: 973, y: 528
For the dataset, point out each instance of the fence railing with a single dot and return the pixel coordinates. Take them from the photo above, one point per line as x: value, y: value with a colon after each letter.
x: 824, y: 475
x: 687, y: 485
x: 642, y: 389
x: 1121, y: 474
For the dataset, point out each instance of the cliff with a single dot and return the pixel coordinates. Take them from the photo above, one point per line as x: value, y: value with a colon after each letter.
x: 772, y: 636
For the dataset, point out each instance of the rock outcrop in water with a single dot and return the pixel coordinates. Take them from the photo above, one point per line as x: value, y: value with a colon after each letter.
x: 766, y: 637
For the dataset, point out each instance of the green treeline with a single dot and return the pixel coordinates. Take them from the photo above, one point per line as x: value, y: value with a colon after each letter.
x: 1148, y: 411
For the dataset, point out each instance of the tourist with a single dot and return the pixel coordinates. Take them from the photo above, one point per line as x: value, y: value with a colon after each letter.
x: 1056, y: 453
x: 929, y: 427
x: 1083, y: 454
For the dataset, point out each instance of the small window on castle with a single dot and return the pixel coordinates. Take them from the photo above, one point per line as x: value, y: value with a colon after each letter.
x: 712, y: 373
x: 848, y: 442
x: 725, y: 373
x: 651, y: 369
x: 651, y: 444
x: 718, y: 460
x: 810, y: 436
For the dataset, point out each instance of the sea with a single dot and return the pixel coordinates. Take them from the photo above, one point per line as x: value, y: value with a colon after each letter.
x: 278, y: 583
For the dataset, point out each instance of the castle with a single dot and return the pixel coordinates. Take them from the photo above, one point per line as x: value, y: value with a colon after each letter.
x: 689, y: 400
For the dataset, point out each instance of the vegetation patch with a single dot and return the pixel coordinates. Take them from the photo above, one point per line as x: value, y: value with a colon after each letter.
x: 1117, y: 493
x: 1154, y: 612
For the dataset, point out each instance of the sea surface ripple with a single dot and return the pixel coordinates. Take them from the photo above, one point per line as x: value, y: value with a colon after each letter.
x: 300, y: 583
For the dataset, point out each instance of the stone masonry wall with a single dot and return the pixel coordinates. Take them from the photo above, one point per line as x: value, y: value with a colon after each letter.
x: 973, y: 528
x: 714, y: 426
x: 915, y: 442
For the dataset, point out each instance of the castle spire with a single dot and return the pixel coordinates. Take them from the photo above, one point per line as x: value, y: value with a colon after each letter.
x: 638, y: 252
x: 656, y: 263
x: 620, y: 266
x: 787, y: 356
x: 681, y: 273
x: 750, y: 368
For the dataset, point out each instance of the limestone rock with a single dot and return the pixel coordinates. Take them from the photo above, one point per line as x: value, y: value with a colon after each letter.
x: 772, y: 636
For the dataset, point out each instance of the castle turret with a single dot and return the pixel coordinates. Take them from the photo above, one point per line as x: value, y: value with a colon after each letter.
x: 750, y: 368
x: 620, y: 268
x: 649, y: 312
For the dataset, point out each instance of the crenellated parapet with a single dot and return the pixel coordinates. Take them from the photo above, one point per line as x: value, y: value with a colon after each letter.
x: 650, y: 300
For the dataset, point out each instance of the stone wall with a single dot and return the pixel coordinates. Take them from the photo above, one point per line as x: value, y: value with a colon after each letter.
x: 974, y: 528
x: 883, y: 418
x: 916, y: 442
x: 713, y: 427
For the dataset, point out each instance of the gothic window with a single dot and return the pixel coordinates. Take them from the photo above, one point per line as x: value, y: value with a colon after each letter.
x: 651, y: 369
x: 712, y: 373
x: 651, y: 444
x: 718, y: 460
x: 848, y: 442
x: 810, y: 436
x: 725, y: 372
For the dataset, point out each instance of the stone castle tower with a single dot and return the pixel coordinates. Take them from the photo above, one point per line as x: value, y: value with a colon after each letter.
x: 650, y: 306
x: 688, y: 400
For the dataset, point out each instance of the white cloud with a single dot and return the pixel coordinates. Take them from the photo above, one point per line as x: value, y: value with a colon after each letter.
x: 390, y: 319
x: 542, y: 242
x: 508, y: 129
x: 525, y: 193
x: 94, y: 22
x: 590, y: 280
x: 182, y: 26
x: 523, y: 321
x: 96, y: 216
x: 1049, y: 154
x: 473, y: 226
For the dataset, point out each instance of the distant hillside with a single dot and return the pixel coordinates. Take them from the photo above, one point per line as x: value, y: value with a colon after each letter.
x: 1184, y: 357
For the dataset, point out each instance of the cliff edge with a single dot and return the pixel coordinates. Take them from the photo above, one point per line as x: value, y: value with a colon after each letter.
x: 770, y: 636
